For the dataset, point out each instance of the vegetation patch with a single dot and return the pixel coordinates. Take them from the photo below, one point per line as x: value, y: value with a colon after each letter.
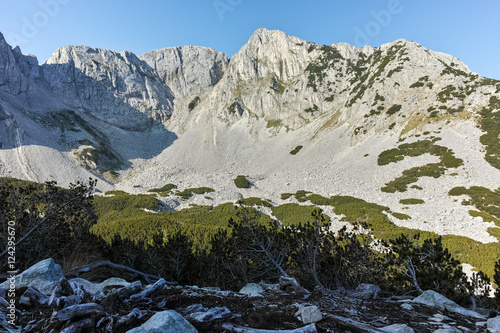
x: 295, y: 150
x: 401, y: 216
x: 242, y: 182
x: 312, y: 109
x: 490, y: 123
x: 165, y: 190
x: 317, y: 70
x: 189, y: 192
x: 393, y: 109
x: 273, y: 123
x: 253, y: 201
x: 194, y: 103
x: 417, y: 84
x: 435, y: 170
x: 484, y: 199
x: 411, y: 201
x: 295, y: 214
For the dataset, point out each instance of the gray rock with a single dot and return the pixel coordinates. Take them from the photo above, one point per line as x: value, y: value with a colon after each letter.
x: 44, y: 276
x: 398, y: 328
x: 208, y: 315
x: 252, y: 290
x: 493, y: 325
x: 96, y: 290
x: 309, y: 314
x: 119, y: 88
x: 79, y: 310
x: 432, y: 298
x: 365, y: 291
x: 166, y: 322
x: 151, y: 289
x: 33, y: 297
x: 187, y: 70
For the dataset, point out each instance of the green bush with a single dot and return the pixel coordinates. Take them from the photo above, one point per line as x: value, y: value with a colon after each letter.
x: 241, y: 182
x: 411, y: 201
x: 189, y: 192
x: 164, y: 190
x: 296, y: 150
x: 253, y: 201
x: 393, y: 109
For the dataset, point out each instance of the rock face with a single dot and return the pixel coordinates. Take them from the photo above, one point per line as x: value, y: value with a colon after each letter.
x: 117, y: 88
x: 16, y: 69
x: 187, y: 70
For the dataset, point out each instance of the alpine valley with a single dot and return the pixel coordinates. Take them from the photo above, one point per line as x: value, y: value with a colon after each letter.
x: 402, y: 130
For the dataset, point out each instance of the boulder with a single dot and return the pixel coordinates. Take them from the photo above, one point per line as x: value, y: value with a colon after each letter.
x: 365, y: 291
x: 398, y: 328
x: 96, y: 290
x: 166, y: 322
x: 432, y: 298
x: 252, y: 290
x: 290, y: 284
x: 493, y: 325
x: 309, y: 314
x: 151, y: 289
x: 44, y: 276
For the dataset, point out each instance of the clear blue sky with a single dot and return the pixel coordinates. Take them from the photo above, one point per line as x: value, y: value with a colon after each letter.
x: 469, y: 30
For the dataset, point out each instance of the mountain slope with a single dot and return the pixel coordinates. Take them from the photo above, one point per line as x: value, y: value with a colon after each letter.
x: 190, y: 116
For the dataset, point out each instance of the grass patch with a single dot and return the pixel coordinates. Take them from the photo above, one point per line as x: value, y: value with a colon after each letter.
x: 295, y: 150
x: 294, y: 214
x: 411, y: 201
x: 401, y: 216
x: 242, y: 182
x: 484, y: 199
x: 393, y: 109
x: 490, y: 123
x: 435, y: 170
x: 253, y: 201
x: 165, y: 190
x: 189, y: 192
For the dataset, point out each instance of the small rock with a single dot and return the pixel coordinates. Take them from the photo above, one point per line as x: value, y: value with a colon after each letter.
x: 252, y: 290
x: 493, y: 325
x: 209, y: 315
x: 407, y: 306
x: 309, y: 314
x: 166, y: 322
x: 432, y: 298
x: 398, y: 328
x: 365, y: 291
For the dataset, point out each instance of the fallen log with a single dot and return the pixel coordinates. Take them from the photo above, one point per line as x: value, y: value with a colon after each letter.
x: 356, y: 325
x: 147, y: 278
x: 311, y: 328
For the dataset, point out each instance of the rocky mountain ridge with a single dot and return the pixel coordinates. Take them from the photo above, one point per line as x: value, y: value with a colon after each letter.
x: 190, y: 116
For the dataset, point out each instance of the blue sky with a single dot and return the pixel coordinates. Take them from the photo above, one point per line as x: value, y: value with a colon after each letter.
x: 467, y: 29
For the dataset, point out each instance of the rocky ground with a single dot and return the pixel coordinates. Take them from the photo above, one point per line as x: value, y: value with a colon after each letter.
x: 48, y: 301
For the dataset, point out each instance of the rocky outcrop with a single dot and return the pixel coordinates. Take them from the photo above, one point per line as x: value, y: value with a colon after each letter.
x: 187, y: 70
x: 117, y: 88
x: 119, y: 306
x: 16, y: 69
